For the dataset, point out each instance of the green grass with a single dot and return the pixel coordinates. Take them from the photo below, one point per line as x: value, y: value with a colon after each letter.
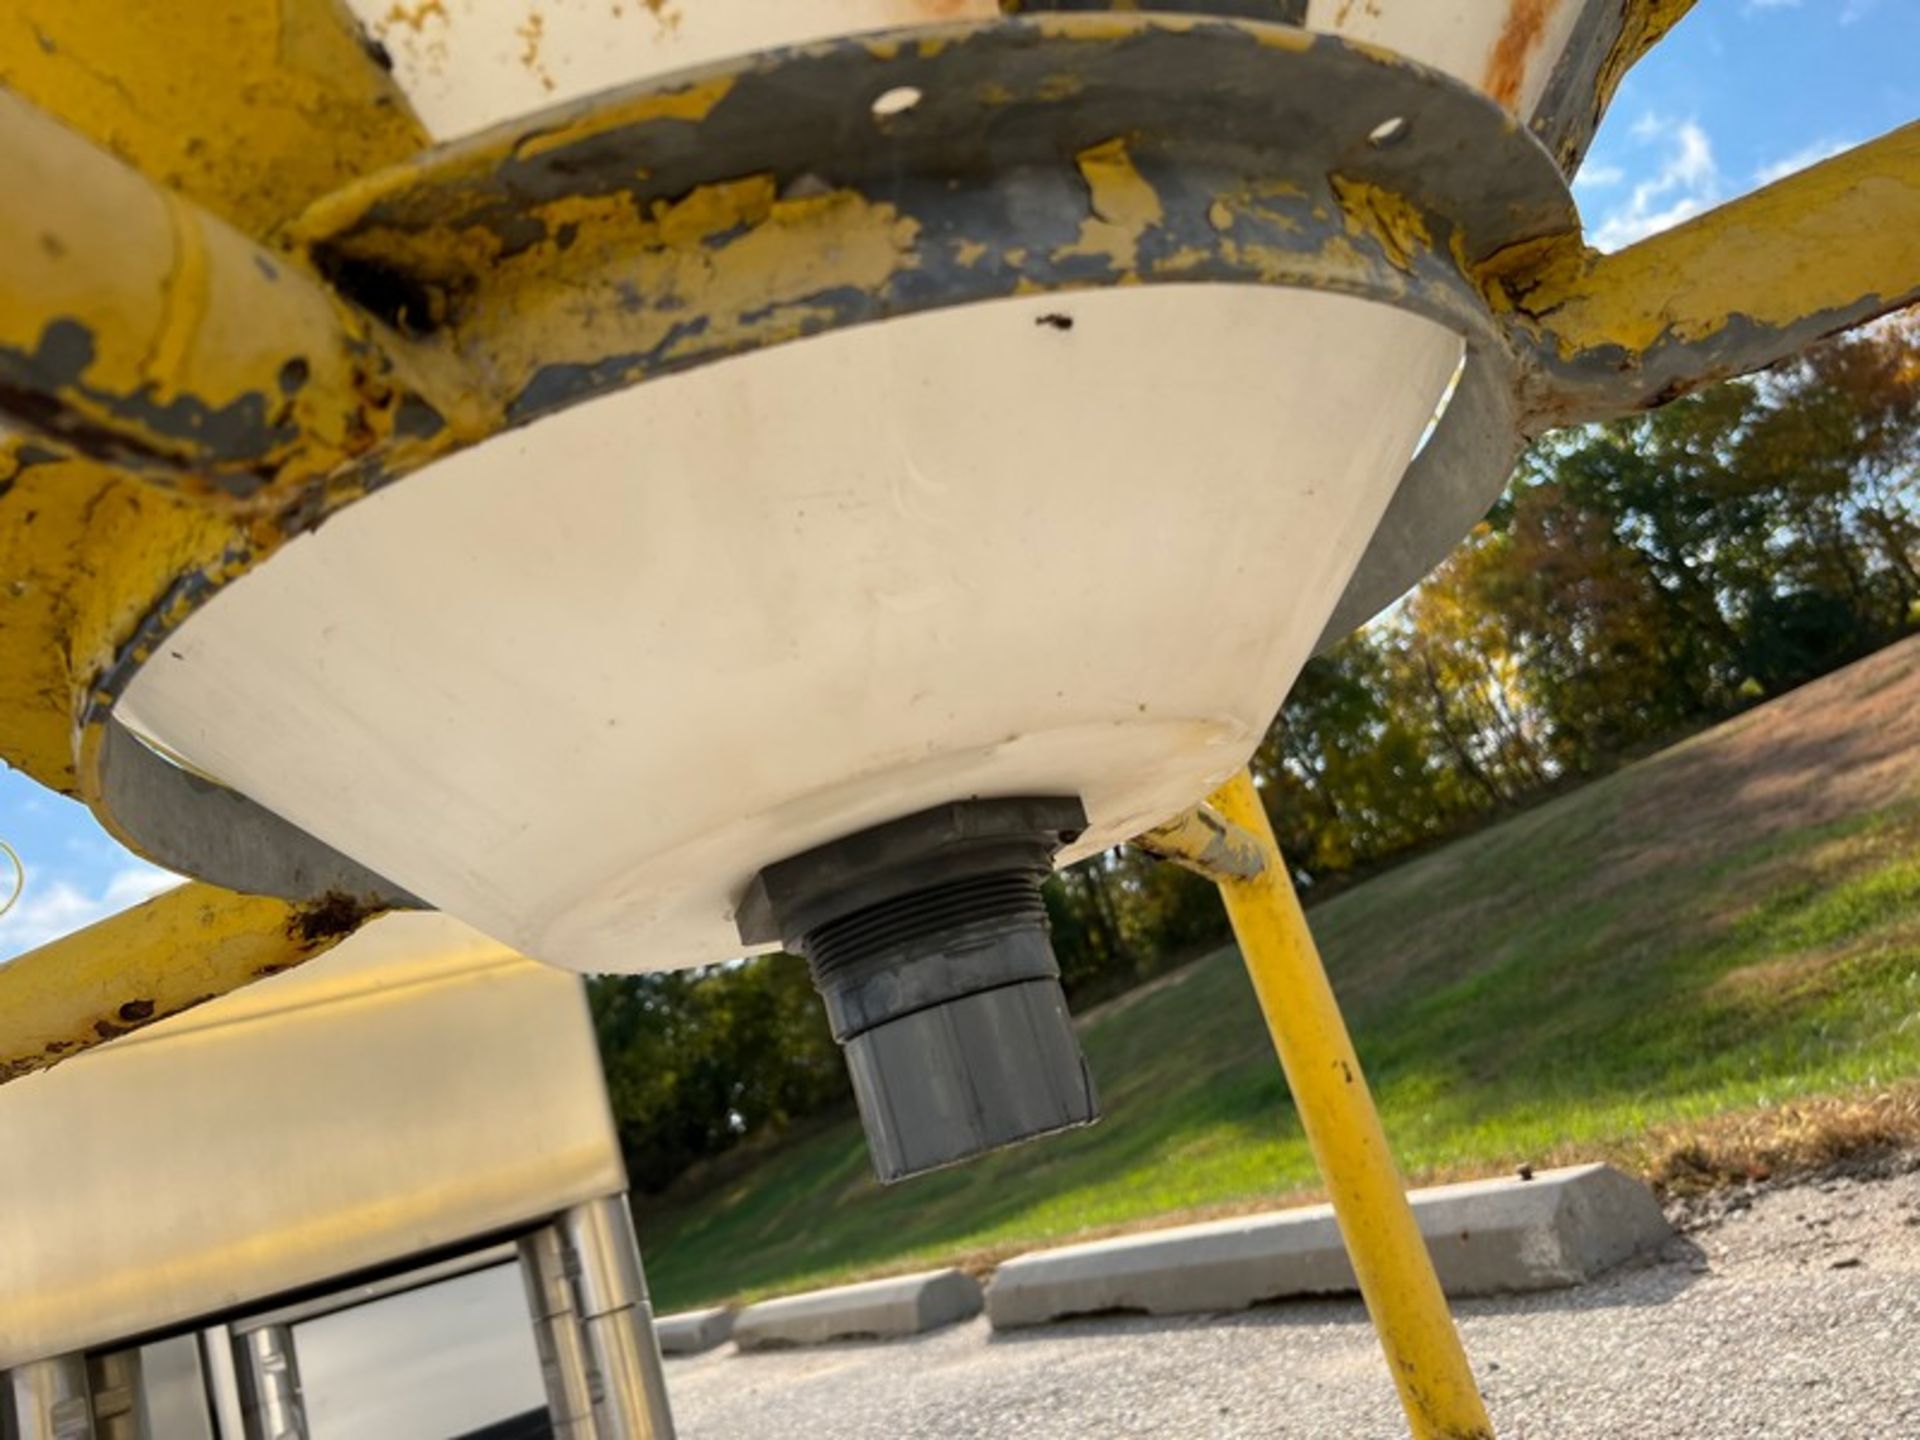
x: 1657, y: 947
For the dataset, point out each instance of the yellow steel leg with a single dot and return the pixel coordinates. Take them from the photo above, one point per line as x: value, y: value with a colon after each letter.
x: 164, y: 955
x: 1389, y: 1257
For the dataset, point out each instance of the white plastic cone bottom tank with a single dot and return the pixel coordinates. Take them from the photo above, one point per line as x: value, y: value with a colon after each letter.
x: 579, y: 685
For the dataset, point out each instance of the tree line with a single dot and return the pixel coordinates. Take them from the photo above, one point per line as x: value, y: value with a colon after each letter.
x: 1638, y: 580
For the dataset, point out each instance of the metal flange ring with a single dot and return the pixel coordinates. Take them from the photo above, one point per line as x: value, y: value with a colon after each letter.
x: 663, y: 226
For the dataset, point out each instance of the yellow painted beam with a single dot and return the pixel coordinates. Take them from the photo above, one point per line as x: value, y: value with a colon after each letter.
x: 79, y: 576
x: 1811, y: 243
x: 251, y: 108
x: 173, y: 952
x: 142, y: 331
x: 1389, y: 1256
x: 1201, y: 841
x: 1739, y: 287
x: 1643, y: 24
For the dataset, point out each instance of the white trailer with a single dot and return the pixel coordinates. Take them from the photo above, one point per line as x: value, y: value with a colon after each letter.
x: 380, y: 1195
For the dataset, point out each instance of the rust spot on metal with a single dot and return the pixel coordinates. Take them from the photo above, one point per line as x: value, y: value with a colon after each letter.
x: 171, y: 953
x: 1520, y: 37
x: 330, y: 918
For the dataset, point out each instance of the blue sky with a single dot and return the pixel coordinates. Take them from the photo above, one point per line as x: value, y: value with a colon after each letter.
x: 1742, y: 92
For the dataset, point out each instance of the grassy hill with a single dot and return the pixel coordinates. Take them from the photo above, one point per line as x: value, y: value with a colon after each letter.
x: 1730, y: 925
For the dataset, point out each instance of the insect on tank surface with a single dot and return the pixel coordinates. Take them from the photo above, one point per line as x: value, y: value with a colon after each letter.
x: 843, y: 643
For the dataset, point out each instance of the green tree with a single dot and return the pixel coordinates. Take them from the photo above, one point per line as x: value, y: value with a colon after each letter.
x: 700, y: 1060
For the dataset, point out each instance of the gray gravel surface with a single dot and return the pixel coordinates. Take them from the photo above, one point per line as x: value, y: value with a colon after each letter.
x: 1789, y: 1310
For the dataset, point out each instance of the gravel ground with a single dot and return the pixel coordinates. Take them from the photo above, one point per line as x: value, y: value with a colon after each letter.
x: 1790, y: 1310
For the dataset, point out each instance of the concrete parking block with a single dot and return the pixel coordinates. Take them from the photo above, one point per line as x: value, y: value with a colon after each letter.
x: 878, y: 1309
x: 1487, y: 1237
x: 692, y: 1331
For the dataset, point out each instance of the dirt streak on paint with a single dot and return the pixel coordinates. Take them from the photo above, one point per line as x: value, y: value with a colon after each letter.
x: 1520, y: 37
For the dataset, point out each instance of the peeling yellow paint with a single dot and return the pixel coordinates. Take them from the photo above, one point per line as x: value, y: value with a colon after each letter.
x: 1108, y: 24
x: 1123, y: 205
x: 340, y: 210
x: 76, y: 580
x: 691, y: 103
x: 161, y: 957
x: 162, y: 306
x: 1255, y: 202
x: 1187, y: 257
x: 1385, y: 217
x: 544, y: 307
x: 162, y: 302
x: 1330, y: 266
x: 1282, y: 37
x: 1379, y: 54
x: 1811, y: 243
x: 250, y: 109
x: 1202, y: 841
x: 1508, y: 278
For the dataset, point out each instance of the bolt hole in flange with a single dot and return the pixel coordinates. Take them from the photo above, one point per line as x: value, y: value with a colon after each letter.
x: 1389, y: 132
x: 895, y: 102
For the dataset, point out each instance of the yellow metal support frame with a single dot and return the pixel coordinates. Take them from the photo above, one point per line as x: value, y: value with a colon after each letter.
x: 215, y: 395
x: 156, y: 959
x: 1336, y: 1109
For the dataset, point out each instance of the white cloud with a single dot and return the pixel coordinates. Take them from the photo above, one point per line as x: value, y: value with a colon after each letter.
x: 53, y: 907
x: 1686, y: 182
x: 1598, y: 177
x: 1799, y: 160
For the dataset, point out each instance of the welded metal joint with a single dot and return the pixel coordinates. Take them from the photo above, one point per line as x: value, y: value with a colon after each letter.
x: 1206, y: 842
